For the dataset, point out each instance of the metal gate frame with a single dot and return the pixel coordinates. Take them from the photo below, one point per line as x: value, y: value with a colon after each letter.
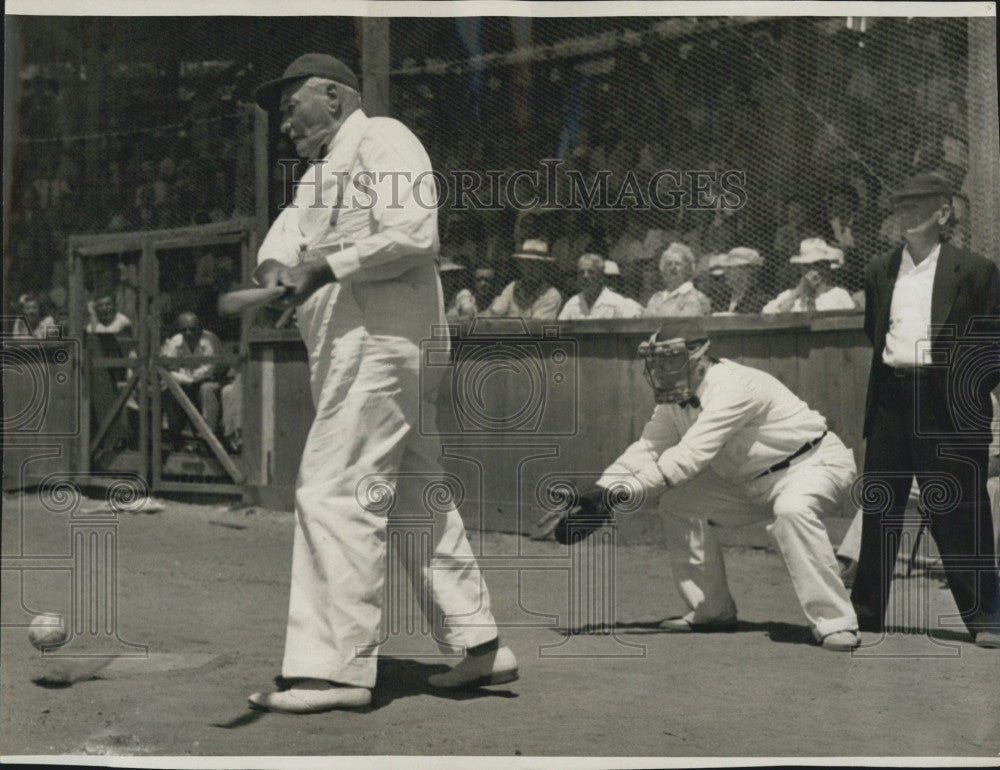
x: 151, y: 370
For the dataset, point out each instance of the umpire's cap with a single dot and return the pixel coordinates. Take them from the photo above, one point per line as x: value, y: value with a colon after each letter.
x: 923, y: 186
x: 318, y: 65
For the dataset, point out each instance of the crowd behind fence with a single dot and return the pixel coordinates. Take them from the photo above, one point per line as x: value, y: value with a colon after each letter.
x: 814, y: 120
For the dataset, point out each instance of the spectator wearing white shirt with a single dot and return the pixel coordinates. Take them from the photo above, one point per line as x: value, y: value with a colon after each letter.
x: 28, y: 323
x: 531, y: 295
x: 107, y: 319
x: 679, y: 297
x: 199, y: 382
x: 816, y: 290
x: 596, y: 300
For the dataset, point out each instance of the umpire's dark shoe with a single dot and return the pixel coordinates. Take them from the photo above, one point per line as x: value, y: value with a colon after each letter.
x: 683, y: 625
x: 868, y: 621
x: 988, y: 639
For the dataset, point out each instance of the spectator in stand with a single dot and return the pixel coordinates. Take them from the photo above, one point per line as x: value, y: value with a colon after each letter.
x: 576, y: 240
x: 531, y: 295
x: 845, y: 227
x: 163, y: 184
x: 679, y: 297
x: 107, y: 319
x: 26, y: 325
x: 145, y: 192
x: 793, y: 229
x: 147, y: 216
x: 459, y: 299
x: 740, y: 272
x: 55, y: 324
x: 816, y: 289
x: 629, y: 246
x: 613, y: 277
x: 199, y: 382
x: 595, y: 299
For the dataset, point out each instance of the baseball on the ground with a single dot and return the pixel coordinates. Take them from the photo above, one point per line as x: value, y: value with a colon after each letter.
x: 47, y: 630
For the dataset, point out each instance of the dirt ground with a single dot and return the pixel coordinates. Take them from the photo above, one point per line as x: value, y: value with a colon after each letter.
x: 205, y: 588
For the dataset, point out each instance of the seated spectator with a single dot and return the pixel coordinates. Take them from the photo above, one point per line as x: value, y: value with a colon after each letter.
x: 532, y: 295
x: 613, y: 277
x: 55, y: 324
x: 485, y: 285
x: 846, y: 228
x: 679, y: 297
x: 26, y: 325
x: 596, y: 300
x: 576, y: 239
x: 793, y: 228
x: 461, y: 302
x: 629, y: 246
x: 232, y: 413
x: 107, y: 319
x: 740, y: 272
x: 816, y: 289
x: 463, y: 307
x: 199, y: 382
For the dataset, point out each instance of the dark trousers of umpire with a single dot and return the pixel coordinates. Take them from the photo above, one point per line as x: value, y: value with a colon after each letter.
x: 951, y: 472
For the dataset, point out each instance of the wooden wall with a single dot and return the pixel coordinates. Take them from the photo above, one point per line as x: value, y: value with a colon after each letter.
x: 563, y: 415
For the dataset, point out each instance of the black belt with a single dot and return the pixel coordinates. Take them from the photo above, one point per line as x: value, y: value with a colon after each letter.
x: 788, y: 460
x: 906, y: 372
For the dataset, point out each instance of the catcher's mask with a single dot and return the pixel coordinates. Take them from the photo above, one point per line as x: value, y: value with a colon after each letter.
x: 668, y: 366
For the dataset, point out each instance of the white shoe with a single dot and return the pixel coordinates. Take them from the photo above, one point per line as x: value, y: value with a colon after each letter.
x: 497, y: 667
x: 841, y: 641
x: 312, y: 696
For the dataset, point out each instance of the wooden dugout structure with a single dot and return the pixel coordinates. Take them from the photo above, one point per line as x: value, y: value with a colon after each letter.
x: 147, y: 382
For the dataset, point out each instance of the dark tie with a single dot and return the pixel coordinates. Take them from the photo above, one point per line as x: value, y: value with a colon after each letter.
x: 692, y: 401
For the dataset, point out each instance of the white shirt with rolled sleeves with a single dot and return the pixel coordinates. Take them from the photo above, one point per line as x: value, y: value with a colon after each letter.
x: 705, y: 464
x: 609, y: 304
x: 369, y: 209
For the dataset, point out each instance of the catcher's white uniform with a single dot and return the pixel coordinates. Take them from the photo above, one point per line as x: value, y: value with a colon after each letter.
x: 711, y: 466
x: 362, y: 335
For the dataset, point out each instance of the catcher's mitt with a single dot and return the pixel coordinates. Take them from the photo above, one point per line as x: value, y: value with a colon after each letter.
x: 580, y: 515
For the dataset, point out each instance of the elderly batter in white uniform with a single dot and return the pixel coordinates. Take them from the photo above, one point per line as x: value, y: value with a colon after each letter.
x: 357, y: 250
x: 728, y: 444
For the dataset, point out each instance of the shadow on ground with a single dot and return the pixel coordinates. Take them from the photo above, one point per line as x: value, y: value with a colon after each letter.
x: 776, y: 631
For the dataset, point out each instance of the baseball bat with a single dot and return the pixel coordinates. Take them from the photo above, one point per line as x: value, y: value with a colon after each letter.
x: 235, y: 302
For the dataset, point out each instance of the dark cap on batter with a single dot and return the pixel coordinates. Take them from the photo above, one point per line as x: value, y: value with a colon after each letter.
x: 319, y: 65
x: 923, y: 186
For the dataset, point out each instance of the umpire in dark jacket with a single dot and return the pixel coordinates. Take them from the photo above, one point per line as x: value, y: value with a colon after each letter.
x: 933, y: 315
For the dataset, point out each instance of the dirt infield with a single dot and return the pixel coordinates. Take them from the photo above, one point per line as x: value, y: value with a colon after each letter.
x: 205, y: 588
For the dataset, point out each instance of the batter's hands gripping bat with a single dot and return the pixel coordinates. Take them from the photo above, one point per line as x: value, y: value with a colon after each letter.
x: 235, y: 302
x: 581, y: 515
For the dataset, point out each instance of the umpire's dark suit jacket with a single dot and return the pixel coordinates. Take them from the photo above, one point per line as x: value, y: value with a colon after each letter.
x: 966, y: 286
x: 952, y: 410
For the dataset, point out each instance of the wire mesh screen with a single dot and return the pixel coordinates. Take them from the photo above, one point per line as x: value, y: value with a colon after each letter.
x: 698, y: 155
